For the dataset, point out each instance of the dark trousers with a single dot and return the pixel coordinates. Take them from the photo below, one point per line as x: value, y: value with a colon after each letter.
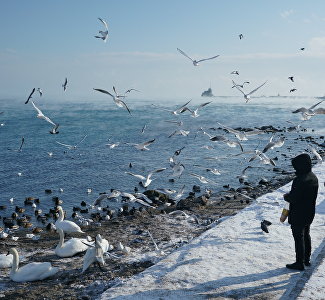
x: 302, y: 242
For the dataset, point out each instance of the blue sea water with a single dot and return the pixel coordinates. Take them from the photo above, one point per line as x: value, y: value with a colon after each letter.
x: 94, y: 165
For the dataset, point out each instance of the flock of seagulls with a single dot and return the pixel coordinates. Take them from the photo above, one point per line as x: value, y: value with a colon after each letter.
x: 95, y: 250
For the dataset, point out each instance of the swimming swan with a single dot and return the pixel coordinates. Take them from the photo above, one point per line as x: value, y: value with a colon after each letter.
x: 66, y: 225
x: 5, y: 261
x: 71, y: 247
x: 30, y: 272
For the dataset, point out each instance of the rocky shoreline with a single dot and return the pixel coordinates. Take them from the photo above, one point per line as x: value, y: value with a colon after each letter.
x: 170, y: 224
x: 169, y: 231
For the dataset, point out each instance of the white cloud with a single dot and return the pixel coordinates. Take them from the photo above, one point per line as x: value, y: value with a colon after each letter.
x: 285, y: 14
x: 316, y: 47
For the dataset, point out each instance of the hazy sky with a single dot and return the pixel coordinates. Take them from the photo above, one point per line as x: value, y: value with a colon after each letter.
x: 42, y: 42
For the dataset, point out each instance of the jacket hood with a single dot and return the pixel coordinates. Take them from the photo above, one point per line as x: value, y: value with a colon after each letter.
x: 302, y: 163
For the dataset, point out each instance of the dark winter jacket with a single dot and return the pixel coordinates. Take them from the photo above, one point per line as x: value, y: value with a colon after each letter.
x: 303, y: 194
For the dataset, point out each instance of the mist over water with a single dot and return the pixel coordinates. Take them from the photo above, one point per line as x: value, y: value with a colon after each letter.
x: 94, y: 165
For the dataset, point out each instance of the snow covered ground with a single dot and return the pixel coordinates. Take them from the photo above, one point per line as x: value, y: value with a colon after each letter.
x: 236, y: 259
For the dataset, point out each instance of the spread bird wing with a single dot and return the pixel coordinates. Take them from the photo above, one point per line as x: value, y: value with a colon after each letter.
x: 115, y: 91
x: 207, y: 58
x: 105, y: 24
x: 240, y: 145
x: 136, y: 175
x: 236, y: 86
x: 156, y: 171
x: 270, y: 145
x: 182, y: 52
x: 37, y: 109
x: 234, y: 131
x: 254, y: 132
x: 218, y: 138
x: 104, y: 91
x: 22, y: 143
x: 148, y: 142
x: 313, y: 106
x: 301, y: 109
x: 124, y: 104
x: 82, y: 140
x: 315, y: 153
x: 253, y: 91
x: 204, y: 104
x: 30, y: 95
x: 130, y: 90
x: 183, y: 106
x: 65, y: 145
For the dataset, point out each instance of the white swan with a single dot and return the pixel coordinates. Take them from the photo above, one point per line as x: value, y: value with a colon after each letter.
x: 104, y: 244
x: 71, y: 247
x: 5, y: 261
x: 30, y: 272
x: 95, y: 253
x: 66, y: 225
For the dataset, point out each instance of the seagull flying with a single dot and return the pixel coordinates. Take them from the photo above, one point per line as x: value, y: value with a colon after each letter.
x: 65, y: 84
x: 202, y: 178
x: 240, y: 135
x: 263, y: 158
x: 214, y: 171
x: 142, y: 146
x: 272, y: 144
x: 41, y: 115
x: 30, y: 96
x: 103, y: 34
x: 72, y: 147
x: 229, y: 143
x: 307, y: 113
x: 40, y: 92
x: 313, y: 150
x: 195, y: 62
x: 291, y: 78
x: 130, y: 90
x: 145, y: 181
x: 243, y: 175
x: 175, y: 112
x: 241, y: 85
x: 20, y: 147
x: 116, y: 99
x: 178, y: 170
x: 247, y: 96
x: 180, y: 132
x: 112, y: 146
x: 179, y: 194
x: 195, y: 112
x: 54, y: 130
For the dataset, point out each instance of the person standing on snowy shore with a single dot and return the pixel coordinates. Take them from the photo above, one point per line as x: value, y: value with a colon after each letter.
x: 302, y: 200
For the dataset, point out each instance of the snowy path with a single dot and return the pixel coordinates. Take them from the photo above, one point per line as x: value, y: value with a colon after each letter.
x: 236, y: 259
